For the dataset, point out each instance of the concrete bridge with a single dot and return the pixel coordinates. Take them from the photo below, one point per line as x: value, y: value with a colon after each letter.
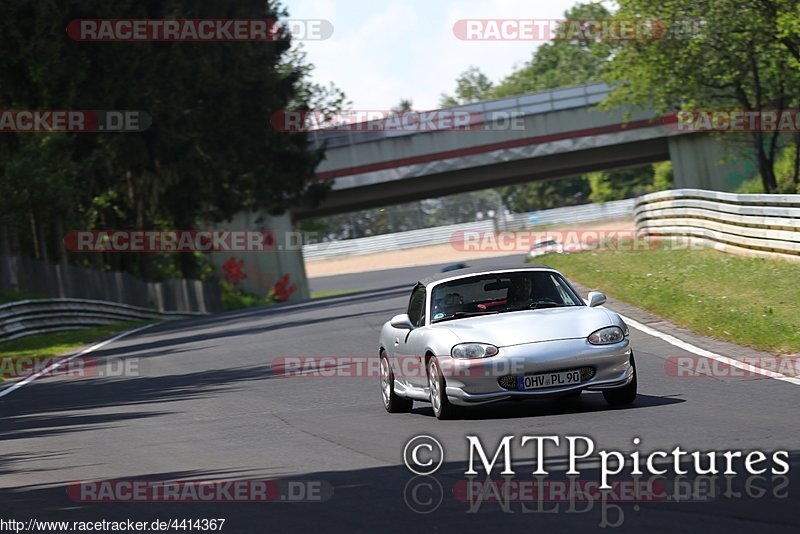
x: 537, y: 136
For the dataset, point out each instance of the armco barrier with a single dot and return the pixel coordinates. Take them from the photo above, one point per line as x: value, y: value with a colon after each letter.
x: 443, y: 234
x: 27, y: 317
x: 751, y: 225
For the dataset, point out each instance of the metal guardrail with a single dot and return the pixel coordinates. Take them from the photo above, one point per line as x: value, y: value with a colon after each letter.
x: 572, y: 214
x: 443, y: 234
x: 751, y: 225
x: 28, y: 317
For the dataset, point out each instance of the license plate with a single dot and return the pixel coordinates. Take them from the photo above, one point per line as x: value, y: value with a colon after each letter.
x: 547, y: 380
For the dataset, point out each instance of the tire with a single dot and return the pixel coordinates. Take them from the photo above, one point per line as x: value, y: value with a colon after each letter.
x: 391, y: 401
x: 624, y: 395
x: 442, y: 408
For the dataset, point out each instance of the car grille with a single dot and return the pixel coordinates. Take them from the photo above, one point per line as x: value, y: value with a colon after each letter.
x: 510, y: 381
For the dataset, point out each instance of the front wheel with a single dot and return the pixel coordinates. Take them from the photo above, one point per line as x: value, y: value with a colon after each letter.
x: 625, y: 394
x: 391, y: 401
x: 442, y: 408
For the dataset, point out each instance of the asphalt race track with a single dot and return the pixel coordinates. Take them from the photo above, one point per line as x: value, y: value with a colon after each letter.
x: 204, y: 403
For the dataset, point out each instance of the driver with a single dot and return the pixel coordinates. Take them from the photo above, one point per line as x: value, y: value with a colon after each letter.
x: 519, y: 293
x: 452, y: 303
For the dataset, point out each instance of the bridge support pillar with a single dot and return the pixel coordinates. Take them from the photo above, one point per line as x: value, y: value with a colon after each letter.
x: 701, y: 162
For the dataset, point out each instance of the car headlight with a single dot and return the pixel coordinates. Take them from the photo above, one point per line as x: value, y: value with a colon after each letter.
x: 606, y: 336
x: 473, y: 350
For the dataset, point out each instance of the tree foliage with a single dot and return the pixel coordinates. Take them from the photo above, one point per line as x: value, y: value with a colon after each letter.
x: 208, y: 154
x: 561, y: 62
x: 472, y: 85
x: 732, y: 55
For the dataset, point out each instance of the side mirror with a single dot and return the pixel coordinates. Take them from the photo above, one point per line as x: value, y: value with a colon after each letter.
x: 402, y: 322
x: 596, y: 299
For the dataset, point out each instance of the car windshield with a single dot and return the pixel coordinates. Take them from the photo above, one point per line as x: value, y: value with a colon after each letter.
x: 542, y: 244
x: 499, y: 293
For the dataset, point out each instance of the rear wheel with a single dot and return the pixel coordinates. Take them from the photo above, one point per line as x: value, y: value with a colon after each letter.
x: 391, y: 401
x: 625, y: 394
x: 442, y: 408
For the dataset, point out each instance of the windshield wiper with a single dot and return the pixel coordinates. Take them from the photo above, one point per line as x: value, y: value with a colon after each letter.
x: 536, y: 305
x: 545, y: 304
x: 461, y: 315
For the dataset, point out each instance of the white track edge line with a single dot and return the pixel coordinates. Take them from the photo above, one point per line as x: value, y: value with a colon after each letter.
x: 55, y: 365
x: 672, y: 340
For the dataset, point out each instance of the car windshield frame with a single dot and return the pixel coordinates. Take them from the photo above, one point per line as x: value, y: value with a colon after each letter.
x: 441, y: 302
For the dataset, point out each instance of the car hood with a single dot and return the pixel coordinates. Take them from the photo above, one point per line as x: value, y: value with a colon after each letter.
x: 529, y: 326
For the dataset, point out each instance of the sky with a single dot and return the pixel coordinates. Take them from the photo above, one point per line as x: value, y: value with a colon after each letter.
x: 385, y: 50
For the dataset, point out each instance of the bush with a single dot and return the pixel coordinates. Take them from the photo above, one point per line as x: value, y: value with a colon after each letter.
x: 235, y: 299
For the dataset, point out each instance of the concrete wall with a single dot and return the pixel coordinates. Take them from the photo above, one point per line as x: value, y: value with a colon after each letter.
x: 262, y: 270
x: 702, y: 162
x: 42, y: 279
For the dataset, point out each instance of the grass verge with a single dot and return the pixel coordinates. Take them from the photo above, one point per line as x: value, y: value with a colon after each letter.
x: 42, y: 346
x: 748, y: 301
x: 333, y: 293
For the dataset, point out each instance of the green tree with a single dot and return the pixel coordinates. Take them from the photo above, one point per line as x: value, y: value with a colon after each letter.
x: 472, y: 85
x: 562, y: 62
x: 209, y: 153
x: 662, y: 176
x: 405, y: 104
x: 545, y: 194
x: 734, y: 56
x: 620, y: 183
x: 559, y: 63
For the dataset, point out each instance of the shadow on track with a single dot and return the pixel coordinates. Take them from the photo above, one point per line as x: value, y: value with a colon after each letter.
x: 390, y: 499
x: 588, y: 402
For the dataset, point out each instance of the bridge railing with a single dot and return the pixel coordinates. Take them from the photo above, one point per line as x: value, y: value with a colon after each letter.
x: 490, y: 111
x: 444, y: 234
x: 27, y: 317
x: 750, y: 225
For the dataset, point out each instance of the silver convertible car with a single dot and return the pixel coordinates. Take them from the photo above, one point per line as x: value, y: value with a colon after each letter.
x: 475, y: 336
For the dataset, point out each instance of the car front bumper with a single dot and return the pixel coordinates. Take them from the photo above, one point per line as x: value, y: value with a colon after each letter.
x: 472, y: 382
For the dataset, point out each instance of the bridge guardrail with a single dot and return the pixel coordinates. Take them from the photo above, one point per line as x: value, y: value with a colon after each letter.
x: 749, y: 224
x: 443, y: 234
x: 38, y: 316
x: 490, y: 110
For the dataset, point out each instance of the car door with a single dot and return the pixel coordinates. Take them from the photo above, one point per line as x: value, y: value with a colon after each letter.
x: 406, y: 342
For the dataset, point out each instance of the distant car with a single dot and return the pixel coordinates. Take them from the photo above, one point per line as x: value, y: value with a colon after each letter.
x: 480, y: 336
x: 545, y: 246
x: 454, y: 267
